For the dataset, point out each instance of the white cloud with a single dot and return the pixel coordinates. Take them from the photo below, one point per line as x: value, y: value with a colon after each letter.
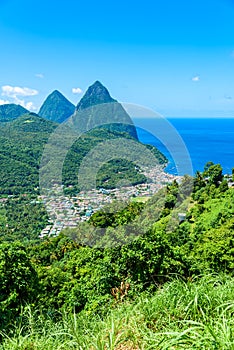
x: 14, y: 91
x: 17, y: 94
x: 39, y: 75
x: 196, y: 78
x: 4, y: 102
x: 28, y: 105
x: 77, y: 90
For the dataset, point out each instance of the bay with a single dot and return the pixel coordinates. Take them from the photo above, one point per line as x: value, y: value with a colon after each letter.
x: 206, y: 139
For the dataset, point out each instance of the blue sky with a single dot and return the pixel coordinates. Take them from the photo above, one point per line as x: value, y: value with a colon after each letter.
x: 176, y: 57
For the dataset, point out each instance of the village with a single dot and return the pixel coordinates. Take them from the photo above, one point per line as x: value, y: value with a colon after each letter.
x: 68, y: 212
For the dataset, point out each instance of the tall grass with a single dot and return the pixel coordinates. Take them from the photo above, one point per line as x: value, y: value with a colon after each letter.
x: 197, y: 314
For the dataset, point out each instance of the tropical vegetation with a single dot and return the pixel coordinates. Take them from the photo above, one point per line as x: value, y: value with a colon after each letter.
x: 134, y: 277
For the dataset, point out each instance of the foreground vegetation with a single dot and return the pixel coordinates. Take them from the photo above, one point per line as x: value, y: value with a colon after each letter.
x: 192, y: 314
x: 133, y: 277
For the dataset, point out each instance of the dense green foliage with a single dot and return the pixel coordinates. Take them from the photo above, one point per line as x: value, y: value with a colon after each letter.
x: 22, y: 218
x: 23, y: 138
x: 68, y: 274
x: 18, y: 281
x: 156, y: 274
x: 11, y: 111
x: 111, y: 173
x: 194, y: 314
x: 114, y: 173
x: 21, y: 145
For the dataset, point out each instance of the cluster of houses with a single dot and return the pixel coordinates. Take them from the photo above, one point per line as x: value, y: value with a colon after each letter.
x: 67, y: 211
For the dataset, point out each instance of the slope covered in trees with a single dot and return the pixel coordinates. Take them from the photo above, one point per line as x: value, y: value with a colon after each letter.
x: 22, y: 142
x: 11, y: 111
x: 156, y: 272
x: 24, y: 135
x: 21, y: 146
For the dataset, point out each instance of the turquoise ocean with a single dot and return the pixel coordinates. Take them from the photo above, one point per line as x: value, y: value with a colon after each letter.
x: 206, y: 139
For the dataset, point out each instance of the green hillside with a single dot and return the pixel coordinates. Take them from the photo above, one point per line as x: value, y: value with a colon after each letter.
x: 11, y: 111
x: 21, y: 146
x: 147, y: 273
x: 22, y: 142
x: 23, y: 138
x: 170, y: 286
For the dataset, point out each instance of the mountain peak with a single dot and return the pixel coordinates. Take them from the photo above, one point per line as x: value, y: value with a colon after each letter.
x: 56, y: 107
x: 104, y: 108
x: 97, y: 83
x: 96, y: 94
x: 56, y: 93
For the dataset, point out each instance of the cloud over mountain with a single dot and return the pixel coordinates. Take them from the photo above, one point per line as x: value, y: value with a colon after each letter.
x: 16, y: 93
x: 77, y: 90
x: 3, y: 102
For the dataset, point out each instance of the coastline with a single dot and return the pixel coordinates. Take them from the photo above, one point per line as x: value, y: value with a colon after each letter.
x: 206, y: 139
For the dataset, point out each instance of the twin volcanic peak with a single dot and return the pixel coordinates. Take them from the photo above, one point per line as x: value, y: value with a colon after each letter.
x: 99, y: 105
x: 23, y: 136
x: 96, y: 105
x: 58, y: 108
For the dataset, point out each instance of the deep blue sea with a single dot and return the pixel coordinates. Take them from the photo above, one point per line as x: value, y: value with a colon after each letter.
x: 205, y: 139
